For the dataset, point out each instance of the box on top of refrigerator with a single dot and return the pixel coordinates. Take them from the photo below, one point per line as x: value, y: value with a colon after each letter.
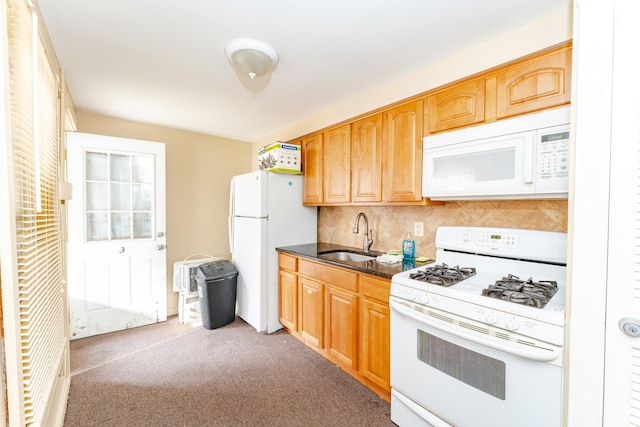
x: 280, y: 157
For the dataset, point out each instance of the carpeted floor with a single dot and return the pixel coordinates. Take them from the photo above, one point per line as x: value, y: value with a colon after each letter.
x: 170, y: 374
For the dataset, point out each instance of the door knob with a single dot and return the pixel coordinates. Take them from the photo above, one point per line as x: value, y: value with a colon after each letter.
x: 630, y: 326
x: 160, y: 247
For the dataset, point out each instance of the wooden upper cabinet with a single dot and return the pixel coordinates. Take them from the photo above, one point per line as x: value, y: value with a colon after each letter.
x: 537, y: 83
x: 337, y: 165
x: 460, y: 105
x: 312, y: 169
x: 366, y: 159
x: 402, y: 159
x: 377, y: 159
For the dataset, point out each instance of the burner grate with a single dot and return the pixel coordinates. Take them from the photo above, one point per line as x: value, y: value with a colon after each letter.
x: 443, y: 275
x: 525, y: 292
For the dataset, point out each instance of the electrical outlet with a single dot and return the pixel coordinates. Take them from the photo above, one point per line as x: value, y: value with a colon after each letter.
x: 418, y: 229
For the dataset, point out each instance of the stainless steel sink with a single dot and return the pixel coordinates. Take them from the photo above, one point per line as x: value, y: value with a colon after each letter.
x: 346, y: 256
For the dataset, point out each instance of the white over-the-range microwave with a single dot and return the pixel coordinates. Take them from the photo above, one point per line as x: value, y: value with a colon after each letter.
x: 521, y: 158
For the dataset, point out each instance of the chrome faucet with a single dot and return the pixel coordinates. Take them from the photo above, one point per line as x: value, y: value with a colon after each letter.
x: 368, y: 234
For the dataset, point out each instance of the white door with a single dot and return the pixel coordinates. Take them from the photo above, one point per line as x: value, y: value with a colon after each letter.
x: 117, y: 257
x: 604, y: 362
x: 622, y: 348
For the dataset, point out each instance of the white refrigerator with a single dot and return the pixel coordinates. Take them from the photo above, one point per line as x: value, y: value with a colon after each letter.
x: 265, y: 212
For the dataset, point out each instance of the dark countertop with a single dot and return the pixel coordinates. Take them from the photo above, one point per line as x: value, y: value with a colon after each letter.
x: 311, y: 251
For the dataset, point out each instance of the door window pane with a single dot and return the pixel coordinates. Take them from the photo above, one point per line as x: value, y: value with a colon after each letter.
x: 96, y: 166
x: 141, y: 225
x: 97, y: 196
x: 97, y: 226
x: 142, y: 169
x: 120, y: 226
x: 120, y: 197
x: 141, y: 197
x: 120, y: 168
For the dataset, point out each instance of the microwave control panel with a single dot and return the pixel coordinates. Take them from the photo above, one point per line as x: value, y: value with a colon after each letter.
x: 553, y: 154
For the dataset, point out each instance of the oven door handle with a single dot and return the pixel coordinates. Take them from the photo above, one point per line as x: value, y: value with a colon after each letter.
x: 533, y: 353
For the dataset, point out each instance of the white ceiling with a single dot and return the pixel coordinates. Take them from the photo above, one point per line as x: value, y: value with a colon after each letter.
x: 163, y: 62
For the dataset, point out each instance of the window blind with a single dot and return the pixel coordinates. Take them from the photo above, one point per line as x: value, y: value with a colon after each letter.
x: 35, y: 142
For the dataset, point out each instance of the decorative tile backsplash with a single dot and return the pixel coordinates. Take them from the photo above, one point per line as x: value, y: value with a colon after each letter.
x: 391, y: 223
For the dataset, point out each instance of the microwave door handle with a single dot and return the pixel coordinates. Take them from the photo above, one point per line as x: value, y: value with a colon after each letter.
x: 528, y: 158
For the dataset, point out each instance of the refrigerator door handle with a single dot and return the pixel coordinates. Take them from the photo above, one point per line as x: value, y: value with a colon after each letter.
x: 231, y: 197
x: 230, y: 234
x: 231, y: 209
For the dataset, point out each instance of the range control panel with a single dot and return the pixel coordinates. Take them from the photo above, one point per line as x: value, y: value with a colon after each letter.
x: 502, y: 240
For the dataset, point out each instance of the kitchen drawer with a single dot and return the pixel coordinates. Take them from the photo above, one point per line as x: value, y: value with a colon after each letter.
x: 327, y: 274
x: 375, y: 288
x: 288, y: 262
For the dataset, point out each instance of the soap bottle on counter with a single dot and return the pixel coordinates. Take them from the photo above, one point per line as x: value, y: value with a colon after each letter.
x: 408, y: 248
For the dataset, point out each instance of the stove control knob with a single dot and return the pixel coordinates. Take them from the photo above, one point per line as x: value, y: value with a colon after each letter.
x: 512, y: 323
x: 411, y: 294
x: 490, y: 317
x: 423, y: 299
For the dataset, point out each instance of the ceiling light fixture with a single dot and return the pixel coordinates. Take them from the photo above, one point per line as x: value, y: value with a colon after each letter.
x: 251, y: 58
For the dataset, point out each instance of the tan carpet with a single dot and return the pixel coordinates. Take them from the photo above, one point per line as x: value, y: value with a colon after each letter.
x: 170, y: 374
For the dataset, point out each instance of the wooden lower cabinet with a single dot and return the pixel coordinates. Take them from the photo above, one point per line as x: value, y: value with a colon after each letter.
x: 376, y: 331
x: 375, y: 342
x: 341, y: 326
x: 288, y: 290
x: 311, y: 311
x: 341, y: 314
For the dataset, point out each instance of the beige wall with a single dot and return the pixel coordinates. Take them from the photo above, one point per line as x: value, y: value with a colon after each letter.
x: 198, y: 173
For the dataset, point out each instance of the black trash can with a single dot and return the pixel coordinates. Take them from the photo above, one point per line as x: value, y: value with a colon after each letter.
x: 217, y: 284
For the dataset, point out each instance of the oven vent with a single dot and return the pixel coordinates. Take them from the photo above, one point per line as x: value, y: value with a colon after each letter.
x: 529, y: 343
x: 503, y: 336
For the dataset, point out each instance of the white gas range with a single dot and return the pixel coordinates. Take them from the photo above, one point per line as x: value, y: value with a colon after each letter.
x: 478, y: 335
